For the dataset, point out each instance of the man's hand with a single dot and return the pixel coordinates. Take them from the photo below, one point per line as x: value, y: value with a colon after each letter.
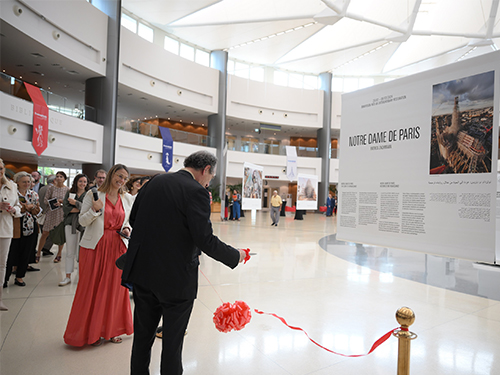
x: 244, y: 255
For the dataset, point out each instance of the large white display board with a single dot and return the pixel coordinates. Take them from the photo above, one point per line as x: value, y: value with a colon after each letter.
x: 252, y: 186
x: 307, y: 192
x: 418, y: 161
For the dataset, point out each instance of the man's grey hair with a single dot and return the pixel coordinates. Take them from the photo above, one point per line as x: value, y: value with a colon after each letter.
x: 50, y: 179
x: 199, y: 160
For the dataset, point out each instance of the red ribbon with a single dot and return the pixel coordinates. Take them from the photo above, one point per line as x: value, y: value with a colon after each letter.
x: 377, y: 343
x: 247, y: 258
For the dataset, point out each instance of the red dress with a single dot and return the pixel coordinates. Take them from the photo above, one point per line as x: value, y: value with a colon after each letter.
x: 101, y: 307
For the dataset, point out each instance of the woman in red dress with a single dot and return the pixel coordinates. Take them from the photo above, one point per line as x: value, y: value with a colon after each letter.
x: 101, y: 308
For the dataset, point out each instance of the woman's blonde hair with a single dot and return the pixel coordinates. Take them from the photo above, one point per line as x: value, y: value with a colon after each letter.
x: 4, y: 178
x: 106, y: 185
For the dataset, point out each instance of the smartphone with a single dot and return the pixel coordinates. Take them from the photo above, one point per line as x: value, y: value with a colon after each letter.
x: 123, y: 235
x: 22, y: 199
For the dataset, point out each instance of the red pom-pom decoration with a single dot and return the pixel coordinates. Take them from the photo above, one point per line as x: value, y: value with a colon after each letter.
x: 247, y: 258
x: 232, y: 316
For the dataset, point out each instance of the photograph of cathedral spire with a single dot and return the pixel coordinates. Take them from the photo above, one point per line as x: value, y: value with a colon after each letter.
x: 462, y: 125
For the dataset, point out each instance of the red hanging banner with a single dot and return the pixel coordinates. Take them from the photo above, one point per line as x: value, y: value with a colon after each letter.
x: 40, y: 119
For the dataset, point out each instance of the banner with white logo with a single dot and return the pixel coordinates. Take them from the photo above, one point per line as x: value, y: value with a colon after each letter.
x: 291, y: 163
x: 40, y: 119
x: 168, y: 148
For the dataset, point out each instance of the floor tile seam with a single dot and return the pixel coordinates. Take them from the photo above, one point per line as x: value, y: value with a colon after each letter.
x: 464, y: 315
x: 23, y: 305
x: 12, y: 325
x: 30, y: 296
x: 266, y: 281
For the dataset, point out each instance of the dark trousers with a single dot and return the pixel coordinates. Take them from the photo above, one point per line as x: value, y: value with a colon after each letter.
x: 48, y: 242
x: 236, y: 210
x: 149, y: 308
x: 19, y: 255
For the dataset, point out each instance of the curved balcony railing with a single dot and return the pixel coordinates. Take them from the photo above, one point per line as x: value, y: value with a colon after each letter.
x: 15, y: 87
x: 270, y: 147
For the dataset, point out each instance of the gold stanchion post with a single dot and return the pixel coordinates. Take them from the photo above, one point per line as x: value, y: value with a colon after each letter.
x: 405, y: 317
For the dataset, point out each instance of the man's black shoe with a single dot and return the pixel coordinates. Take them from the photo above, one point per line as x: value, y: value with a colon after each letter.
x: 47, y: 253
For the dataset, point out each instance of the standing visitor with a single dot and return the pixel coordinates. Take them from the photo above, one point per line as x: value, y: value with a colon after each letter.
x: 276, y: 203
x: 171, y: 220
x: 329, y: 205
x: 54, y: 200
x: 9, y: 208
x: 72, y: 204
x: 101, y: 308
x: 26, y: 233
x: 36, y: 177
x: 236, y: 205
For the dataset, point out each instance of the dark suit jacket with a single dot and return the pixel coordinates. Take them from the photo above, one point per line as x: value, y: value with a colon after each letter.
x: 171, y: 221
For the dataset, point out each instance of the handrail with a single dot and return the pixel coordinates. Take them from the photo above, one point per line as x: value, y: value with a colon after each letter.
x: 270, y: 147
x: 12, y: 86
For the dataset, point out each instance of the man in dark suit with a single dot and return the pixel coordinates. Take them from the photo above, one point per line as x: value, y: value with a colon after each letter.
x: 171, y: 224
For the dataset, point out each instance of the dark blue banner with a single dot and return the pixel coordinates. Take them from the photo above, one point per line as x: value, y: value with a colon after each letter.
x: 168, y: 148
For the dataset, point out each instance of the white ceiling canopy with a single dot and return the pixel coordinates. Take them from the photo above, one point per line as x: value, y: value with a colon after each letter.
x: 341, y: 36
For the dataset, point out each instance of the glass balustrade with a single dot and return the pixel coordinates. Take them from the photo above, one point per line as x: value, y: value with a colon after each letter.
x: 15, y: 87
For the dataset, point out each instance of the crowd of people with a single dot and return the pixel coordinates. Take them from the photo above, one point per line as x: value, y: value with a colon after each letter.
x: 95, y: 221
x: 45, y: 215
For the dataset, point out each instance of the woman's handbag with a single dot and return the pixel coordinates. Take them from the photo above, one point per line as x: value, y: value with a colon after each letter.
x: 17, y: 227
x: 57, y: 234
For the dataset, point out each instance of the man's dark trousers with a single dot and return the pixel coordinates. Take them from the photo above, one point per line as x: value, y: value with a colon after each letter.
x: 148, y: 310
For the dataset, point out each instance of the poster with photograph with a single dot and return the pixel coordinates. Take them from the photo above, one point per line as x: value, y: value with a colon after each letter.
x: 462, y: 123
x: 307, y: 192
x: 251, y: 197
x: 419, y: 161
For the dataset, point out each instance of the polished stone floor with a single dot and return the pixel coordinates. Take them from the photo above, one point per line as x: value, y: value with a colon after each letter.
x: 344, y: 295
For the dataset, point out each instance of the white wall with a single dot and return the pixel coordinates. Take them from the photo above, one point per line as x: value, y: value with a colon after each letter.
x: 76, y: 140
x: 268, y: 103
x: 151, y: 69
x: 81, y: 26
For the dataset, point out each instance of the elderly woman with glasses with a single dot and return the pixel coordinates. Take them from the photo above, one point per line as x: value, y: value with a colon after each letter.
x: 101, y: 308
x: 24, y: 239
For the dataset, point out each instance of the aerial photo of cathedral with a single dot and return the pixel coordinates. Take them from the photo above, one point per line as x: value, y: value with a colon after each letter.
x: 462, y: 125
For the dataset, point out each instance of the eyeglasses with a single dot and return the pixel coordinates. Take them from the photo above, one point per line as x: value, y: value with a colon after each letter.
x: 122, y: 177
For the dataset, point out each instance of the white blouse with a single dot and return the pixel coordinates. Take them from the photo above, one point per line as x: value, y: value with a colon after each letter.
x: 8, y: 193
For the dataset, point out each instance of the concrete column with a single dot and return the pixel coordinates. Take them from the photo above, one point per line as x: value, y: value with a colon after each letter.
x: 217, y: 125
x: 325, y: 138
x: 101, y: 93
